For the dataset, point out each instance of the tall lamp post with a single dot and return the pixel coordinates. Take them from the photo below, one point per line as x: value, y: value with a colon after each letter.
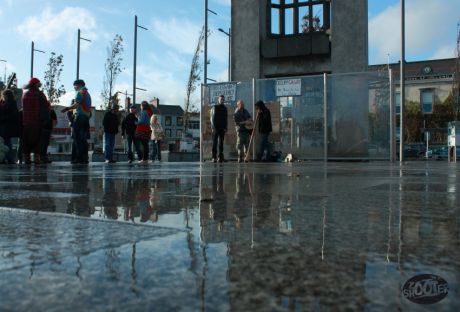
x: 4, y: 73
x: 78, y: 52
x: 135, y: 57
x: 206, y: 10
x: 32, y: 51
x: 402, y: 84
x: 229, y: 34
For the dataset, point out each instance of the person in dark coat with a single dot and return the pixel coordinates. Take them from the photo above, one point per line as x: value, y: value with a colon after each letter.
x: 128, y: 130
x: 264, y: 130
x: 219, y: 128
x: 9, y: 122
x: 110, y: 124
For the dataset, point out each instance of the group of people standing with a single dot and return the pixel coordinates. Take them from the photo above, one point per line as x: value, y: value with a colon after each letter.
x: 138, y: 129
x: 32, y: 125
x: 244, y: 130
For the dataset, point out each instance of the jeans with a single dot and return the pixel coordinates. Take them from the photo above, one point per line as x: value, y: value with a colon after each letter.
x: 218, y: 136
x: 264, y: 146
x: 9, y: 157
x: 129, y: 142
x: 81, y: 133
x: 156, y: 150
x: 109, y: 145
x: 142, y: 145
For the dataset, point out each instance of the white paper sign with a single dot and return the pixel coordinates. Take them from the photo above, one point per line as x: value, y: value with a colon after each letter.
x: 226, y: 89
x: 288, y: 87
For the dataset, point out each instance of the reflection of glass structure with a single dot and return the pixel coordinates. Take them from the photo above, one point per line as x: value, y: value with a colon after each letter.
x: 342, y: 116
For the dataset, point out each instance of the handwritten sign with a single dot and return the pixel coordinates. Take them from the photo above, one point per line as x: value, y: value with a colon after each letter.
x: 226, y: 89
x: 288, y: 87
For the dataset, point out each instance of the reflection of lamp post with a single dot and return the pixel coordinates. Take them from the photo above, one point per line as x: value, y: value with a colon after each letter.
x: 229, y: 34
x: 78, y: 52
x: 32, y: 50
x: 4, y: 73
x: 206, y: 10
x: 135, y: 57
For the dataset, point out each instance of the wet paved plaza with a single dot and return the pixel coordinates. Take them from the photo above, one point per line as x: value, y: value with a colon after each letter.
x: 227, y: 237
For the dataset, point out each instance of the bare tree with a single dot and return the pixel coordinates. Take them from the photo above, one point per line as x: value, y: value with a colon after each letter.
x: 193, y: 79
x: 112, y: 69
x: 52, y: 79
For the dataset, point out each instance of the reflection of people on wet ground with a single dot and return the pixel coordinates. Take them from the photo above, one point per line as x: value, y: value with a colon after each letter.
x: 109, y: 198
x: 128, y: 199
x: 218, y: 205
x: 79, y: 204
x: 243, y: 198
x: 153, y: 205
x: 263, y: 197
x: 143, y: 203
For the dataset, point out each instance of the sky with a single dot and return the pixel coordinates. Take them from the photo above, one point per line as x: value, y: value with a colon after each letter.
x: 165, y: 50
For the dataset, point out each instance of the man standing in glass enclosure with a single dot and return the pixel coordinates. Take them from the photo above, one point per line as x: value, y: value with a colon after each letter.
x: 219, y: 128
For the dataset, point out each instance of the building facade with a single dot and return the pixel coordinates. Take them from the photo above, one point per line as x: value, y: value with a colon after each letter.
x: 280, y: 38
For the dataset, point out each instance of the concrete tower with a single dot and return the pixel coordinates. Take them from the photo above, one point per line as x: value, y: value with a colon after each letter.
x: 277, y: 38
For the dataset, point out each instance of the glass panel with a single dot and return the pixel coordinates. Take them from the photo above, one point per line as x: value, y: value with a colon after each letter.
x: 297, y: 119
x: 289, y: 22
x: 358, y: 116
x: 275, y: 1
x: 243, y: 91
x: 275, y: 19
x: 398, y: 103
x: 318, y: 17
x: 303, y: 19
x: 288, y: 1
x: 427, y: 101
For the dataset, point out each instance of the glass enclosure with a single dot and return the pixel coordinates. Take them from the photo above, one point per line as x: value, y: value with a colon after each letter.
x: 326, y: 117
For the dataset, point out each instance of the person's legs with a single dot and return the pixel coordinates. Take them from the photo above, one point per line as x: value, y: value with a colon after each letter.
x: 215, y: 137
x: 158, y: 144
x: 9, y: 157
x: 145, y: 144
x: 44, y: 143
x: 221, y: 145
x: 109, y: 145
x: 129, y: 139
x: 153, y: 144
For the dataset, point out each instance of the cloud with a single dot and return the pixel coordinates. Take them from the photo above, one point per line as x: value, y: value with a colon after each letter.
x: 447, y: 51
x: 49, y: 26
x: 182, y: 36
x: 430, y: 28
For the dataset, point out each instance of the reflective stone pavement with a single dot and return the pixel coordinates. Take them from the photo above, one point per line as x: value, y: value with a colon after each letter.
x: 227, y: 237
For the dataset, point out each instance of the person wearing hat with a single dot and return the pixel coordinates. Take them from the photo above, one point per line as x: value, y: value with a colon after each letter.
x: 243, y: 123
x: 81, y: 106
x: 110, y: 123
x: 34, y: 106
x: 264, y: 130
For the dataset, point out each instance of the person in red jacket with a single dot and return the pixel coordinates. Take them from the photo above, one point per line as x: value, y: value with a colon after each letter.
x: 35, y: 106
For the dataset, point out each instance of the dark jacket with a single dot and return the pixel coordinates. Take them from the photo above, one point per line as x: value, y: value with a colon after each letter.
x: 9, y: 120
x: 49, y: 125
x: 240, y: 116
x: 265, y: 121
x: 110, y: 122
x: 128, y: 125
x: 219, y: 117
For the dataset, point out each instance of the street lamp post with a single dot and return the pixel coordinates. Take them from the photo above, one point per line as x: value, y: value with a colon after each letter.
x: 402, y: 84
x: 78, y: 52
x: 229, y: 34
x: 135, y: 57
x: 4, y: 73
x: 206, y: 10
x: 32, y: 50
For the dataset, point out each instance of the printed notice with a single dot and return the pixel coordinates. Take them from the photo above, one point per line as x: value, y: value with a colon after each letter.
x: 226, y: 89
x: 288, y: 87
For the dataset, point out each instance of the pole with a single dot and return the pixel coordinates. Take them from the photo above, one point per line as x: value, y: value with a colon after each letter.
x: 325, y: 138
x: 229, y: 54
x: 402, y: 85
x: 135, y: 60
x: 392, y: 118
x: 205, y: 80
x: 32, y: 60
x: 78, y: 55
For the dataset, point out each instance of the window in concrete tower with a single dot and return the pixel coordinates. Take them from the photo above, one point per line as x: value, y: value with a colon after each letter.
x: 427, y: 99
x: 292, y: 17
x: 397, y: 103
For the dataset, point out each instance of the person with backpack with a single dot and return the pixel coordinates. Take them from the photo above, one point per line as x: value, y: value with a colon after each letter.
x: 82, y: 107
